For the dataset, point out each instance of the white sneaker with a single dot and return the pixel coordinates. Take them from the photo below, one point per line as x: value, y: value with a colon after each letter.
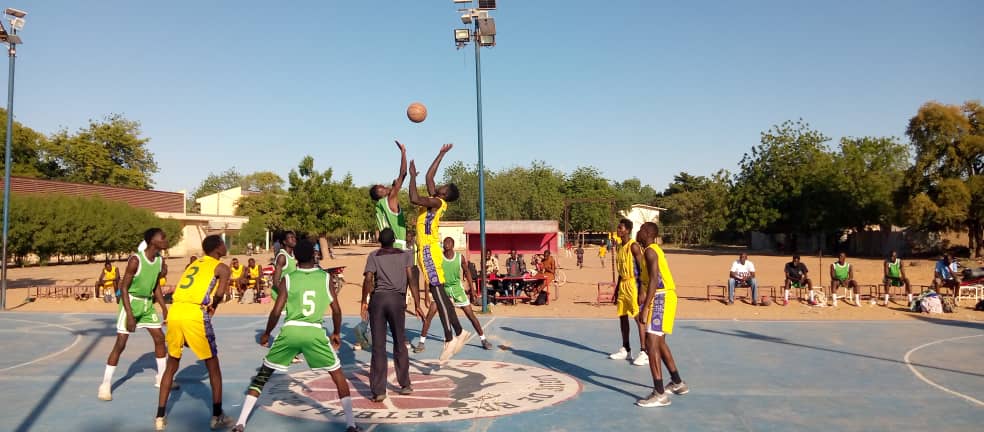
x: 621, y: 354
x: 641, y: 360
x: 447, y: 352
x: 160, y: 423
x: 106, y: 392
x: 654, y: 400
x: 460, y: 340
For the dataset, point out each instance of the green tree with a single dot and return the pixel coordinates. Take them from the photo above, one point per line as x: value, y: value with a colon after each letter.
x: 697, y: 207
x: 29, y: 151
x: 110, y: 152
x: 944, y: 188
x: 587, y: 183
x: 868, y: 172
x: 263, y: 182
x: 316, y: 204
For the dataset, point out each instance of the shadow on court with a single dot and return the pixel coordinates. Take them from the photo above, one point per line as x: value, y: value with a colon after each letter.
x: 555, y: 340
x: 583, y: 374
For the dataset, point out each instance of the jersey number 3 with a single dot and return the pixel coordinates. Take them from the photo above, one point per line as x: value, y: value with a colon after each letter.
x: 191, y: 278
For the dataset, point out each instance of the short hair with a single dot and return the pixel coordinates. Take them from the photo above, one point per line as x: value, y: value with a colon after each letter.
x: 211, y: 243
x: 387, y: 237
x: 373, y: 194
x: 149, y: 234
x: 453, y: 193
x: 650, y: 226
x: 304, y: 251
x: 626, y: 223
x: 796, y: 257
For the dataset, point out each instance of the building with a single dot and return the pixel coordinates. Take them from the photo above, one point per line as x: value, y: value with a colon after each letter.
x: 526, y: 237
x: 224, y: 203
x: 165, y: 205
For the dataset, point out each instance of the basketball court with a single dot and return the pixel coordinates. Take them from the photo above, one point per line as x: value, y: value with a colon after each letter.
x: 544, y: 375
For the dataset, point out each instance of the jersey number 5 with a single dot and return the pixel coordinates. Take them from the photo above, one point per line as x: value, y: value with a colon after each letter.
x: 191, y: 277
x: 307, y: 300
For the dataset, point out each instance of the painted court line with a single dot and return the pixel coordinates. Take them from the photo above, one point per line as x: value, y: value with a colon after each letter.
x: 927, y: 381
x: 78, y: 338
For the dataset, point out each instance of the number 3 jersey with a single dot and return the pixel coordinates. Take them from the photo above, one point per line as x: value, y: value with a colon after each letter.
x: 195, y: 289
x: 308, y: 295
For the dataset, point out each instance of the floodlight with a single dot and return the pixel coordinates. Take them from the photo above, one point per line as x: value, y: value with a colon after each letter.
x: 15, y: 13
x: 486, y: 4
x: 462, y: 1
x: 462, y: 35
x: 486, y: 26
x: 486, y: 40
x: 466, y: 19
x: 17, y: 23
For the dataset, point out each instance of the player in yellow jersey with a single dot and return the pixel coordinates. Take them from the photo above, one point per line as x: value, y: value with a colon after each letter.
x: 108, y: 285
x: 430, y: 251
x: 628, y: 255
x: 253, y: 281
x: 200, y: 290
x: 657, y: 314
x: 237, y: 279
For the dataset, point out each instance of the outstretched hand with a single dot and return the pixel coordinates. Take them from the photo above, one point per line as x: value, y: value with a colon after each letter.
x: 403, y: 148
x: 446, y: 148
x: 413, y: 169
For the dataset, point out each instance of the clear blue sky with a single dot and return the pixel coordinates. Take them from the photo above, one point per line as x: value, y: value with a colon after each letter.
x: 636, y: 88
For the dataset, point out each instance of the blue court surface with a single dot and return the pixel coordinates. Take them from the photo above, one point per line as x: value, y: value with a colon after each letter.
x: 554, y: 375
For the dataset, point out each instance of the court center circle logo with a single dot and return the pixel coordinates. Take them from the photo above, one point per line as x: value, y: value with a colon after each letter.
x: 456, y: 390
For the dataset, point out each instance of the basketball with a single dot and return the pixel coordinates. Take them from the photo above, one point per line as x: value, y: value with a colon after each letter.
x: 416, y: 112
x: 766, y: 301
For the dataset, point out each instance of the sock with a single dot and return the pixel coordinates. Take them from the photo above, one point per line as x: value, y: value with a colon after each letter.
x: 811, y: 296
x: 347, y: 406
x: 786, y: 296
x: 216, y: 409
x: 482, y: 337
x: 886, y: 299
x: 160, y: 411
x: 675, y: 376
x: 247, y: 409
x: 422, y: 339
x: 659, y: 387
x: 108, y: 375
x: 161, y: 364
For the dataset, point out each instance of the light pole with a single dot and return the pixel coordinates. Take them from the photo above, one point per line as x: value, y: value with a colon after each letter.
x: 483, y: 35
x: 12, y: 40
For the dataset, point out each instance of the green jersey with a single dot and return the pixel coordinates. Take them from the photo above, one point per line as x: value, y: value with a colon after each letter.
x: 290, y: 265
x: 895, y: 269
x: 308, y: 295
x: 386, y: 218
x: 842, y: 272
x: 145, y: 279
x: 452, y: 271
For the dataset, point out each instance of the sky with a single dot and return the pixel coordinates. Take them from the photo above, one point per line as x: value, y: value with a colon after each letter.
x: 643, y: 89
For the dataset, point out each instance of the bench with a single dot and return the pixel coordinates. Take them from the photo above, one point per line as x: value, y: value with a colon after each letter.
x: 606, y: 293
x: 748, y: 292
x: 61, y: 291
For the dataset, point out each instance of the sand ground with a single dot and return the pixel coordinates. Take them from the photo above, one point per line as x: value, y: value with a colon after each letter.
x: 692, y: 270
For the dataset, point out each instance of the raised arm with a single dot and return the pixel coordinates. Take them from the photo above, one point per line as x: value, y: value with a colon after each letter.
x: 415, y: 198
x: 432, y: 171
x: 394, y: 195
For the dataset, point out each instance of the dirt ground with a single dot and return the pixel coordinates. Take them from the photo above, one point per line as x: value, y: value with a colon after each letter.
x: 692, y: 270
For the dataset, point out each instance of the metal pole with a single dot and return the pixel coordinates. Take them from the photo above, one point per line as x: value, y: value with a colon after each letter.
x: 6, y: 173
x: 481, y: 165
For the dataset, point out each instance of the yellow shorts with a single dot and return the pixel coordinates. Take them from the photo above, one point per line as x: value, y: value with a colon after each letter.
x: 430, y: 258
x: 628, y: 297
x: 190, y: 324
x: 662, y: 313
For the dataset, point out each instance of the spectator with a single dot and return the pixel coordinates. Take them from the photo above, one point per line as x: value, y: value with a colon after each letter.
x: 580, y: 255
x: 549, y: 266
x: 515, y: 267
x: 569, y: 249
x: 742, y: 275
x: 796, y: 277
x: 491, y: 263
x: 945, y: 275
x: 842, y: 275
x: 602, y: 252
x: 109, y: 281
x: 895, y: 276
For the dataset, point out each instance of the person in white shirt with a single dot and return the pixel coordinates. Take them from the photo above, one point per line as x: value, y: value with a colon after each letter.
x: 742, y: 275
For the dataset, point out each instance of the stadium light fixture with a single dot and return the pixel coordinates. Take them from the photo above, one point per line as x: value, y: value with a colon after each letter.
x: 17, y: 13
x: 12, y: 40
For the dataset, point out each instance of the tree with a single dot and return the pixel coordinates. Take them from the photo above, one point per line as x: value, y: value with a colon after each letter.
x: 783, y: 186
x: 109, y: 152
x: 867, y: 174
x: 697, y: 207
x: 316, y: 204
x: 587, y: 182
x: 29, y: 152
x: 944, y: 188
x: 262, y: 182
x: 632, y: 191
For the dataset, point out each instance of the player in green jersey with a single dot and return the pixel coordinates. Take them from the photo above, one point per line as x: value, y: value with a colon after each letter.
x: 386, y: 201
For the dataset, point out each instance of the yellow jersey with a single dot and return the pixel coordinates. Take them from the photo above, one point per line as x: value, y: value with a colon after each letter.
x: 109, y: 276
x: 666, y: 279
x: 235, y: 272
x: 625, y: 261
x: 429, y: 225
x: 198, y: 282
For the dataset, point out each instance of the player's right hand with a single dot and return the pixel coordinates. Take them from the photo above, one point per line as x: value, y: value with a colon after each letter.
x: 403, y: 148
x: 364, y: 313
x: 413, y: 169
x: 446, y: 148
x: 131, y: 323
x: 420, y: 313
x: 265, y: 339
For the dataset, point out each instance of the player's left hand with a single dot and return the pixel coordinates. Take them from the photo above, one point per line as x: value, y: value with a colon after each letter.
x: 403, y: 148
x: 336, y: 340
x: 265, y: 339
x: 446, y: 148
x: 420, y: 313
x: 413, y: 169
x: 640, y: 318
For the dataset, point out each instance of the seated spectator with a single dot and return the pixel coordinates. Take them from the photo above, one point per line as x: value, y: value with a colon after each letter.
x: 549, y: 271
x: 742, y: 275
x: 796, y: 277
x: 515, y: 267
x: 108, y: 283
x: 945, y: 275
x: 842, y: 275
x: 895, y: 276
x: 491, y: 264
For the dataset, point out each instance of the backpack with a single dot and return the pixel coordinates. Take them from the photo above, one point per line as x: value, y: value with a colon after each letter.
x: 541, y: 299
x: 979, y: 306
x: 931, y: 304
x: 949, y: 305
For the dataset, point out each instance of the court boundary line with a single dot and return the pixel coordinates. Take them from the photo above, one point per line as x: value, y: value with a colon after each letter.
x: 78, y: 338
x: 930, y: 382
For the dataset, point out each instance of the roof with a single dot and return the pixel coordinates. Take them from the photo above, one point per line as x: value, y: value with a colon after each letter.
x: 647, y: 207
x: 514, y: 227
x: 158, y: 201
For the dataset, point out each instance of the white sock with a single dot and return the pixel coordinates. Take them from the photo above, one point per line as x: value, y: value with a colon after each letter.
x: 423, y: 338
x: 247, y: 408
x: 161, y: 364
x: 482, y: 337
x: 108, y: 375
x: 347, y: 406
x: 886, y: 299
x: 910, y: 298
x: 786, y: 296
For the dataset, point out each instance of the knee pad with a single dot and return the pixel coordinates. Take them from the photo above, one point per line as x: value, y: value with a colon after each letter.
x: 260, y: 380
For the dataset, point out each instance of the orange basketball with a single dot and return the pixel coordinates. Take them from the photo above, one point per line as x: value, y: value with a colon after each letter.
x: 416, y: 112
